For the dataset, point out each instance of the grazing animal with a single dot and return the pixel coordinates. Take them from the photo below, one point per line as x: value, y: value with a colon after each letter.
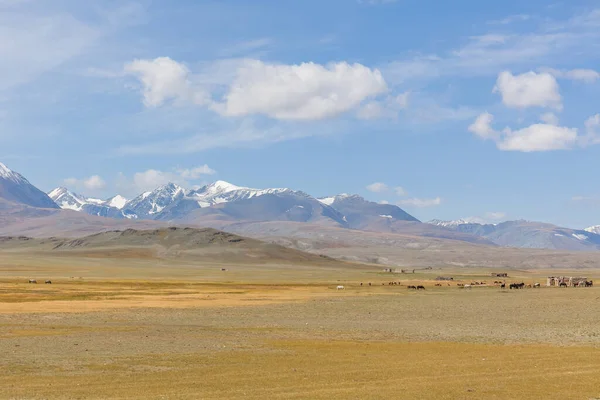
x: 361, y: 284
x: 340, y: 287
x: 503, y: 286
x: 562, y: 284
x: 536, y: 285
x: 420, y: 287
x: 48, y: 281
x: 32, y: 281
x: 529, y: 286
x: 467, y: 286
x: 411, y: 287
x: 438, y: 284
x: 589, y: 283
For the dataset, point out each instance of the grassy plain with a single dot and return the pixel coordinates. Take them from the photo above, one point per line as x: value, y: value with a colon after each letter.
x: 145, y: 328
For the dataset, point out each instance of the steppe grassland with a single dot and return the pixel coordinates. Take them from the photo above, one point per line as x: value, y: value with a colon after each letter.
x: 134, y: 328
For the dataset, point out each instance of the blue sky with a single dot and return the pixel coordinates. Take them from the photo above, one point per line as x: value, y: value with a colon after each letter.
x: 449, y: 109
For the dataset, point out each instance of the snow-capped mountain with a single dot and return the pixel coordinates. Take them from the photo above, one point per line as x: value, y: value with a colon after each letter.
x: 224, y: 201
x: 363, y: 214
x: 527, y: 234
x: 149, y: 204
x: 68, y: 200
x: 457, y: 222
x: 593, y: 229
x: 16, y: 189
x: 117, y: 201
x: 225, y: 192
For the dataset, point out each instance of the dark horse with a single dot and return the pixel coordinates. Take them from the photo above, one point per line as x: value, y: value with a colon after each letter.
x: 420, y: 287
x: 411, y: 287
x: 562, y: 284
x: 516, y: 285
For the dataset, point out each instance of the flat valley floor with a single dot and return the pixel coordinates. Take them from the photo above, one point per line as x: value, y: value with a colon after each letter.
x: 110, y: 329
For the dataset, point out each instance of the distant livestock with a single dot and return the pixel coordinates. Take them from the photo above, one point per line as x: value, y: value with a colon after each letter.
x: 32, y: 281
x: 48, y: 281
x: 411, y: 287
x: 420, y: 287
x: 340, y: 287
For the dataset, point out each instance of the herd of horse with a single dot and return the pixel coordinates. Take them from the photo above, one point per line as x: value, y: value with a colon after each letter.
x: 501, y: 284
x: 47, y: 281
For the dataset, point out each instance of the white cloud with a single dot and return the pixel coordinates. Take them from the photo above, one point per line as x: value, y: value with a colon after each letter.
x: 384, y: 202
x: 482, y: 126
x: 510, y: 19
x: 420, y: 203
x: 536, y: 137
x: 549, y: 118
x: 377, y: 187
x: 528, y: 90
x: 164, y: 79
x: 38, y: 37
x: 387, y: 108
x: 495, y: 216
x: 592, y: 128
x: 488, y: 53
x: 196, y: 173
x: 400, y: 191
x: 152, y: 178
x: 307, y: 91
x: 93, y: 183
x: 584, y: 75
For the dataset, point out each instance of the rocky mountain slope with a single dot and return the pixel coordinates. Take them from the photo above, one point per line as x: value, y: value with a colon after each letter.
x: 15, y: 188
x: 111, y: 208
x: 204, y: 244
x: 527, y: 234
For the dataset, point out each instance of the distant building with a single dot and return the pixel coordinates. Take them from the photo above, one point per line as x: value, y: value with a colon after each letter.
x: 567, y: 280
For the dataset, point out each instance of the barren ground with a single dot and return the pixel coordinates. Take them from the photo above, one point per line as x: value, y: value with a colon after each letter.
x: 156, y: 329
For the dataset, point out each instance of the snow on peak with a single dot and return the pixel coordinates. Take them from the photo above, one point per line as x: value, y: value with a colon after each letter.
x: 7, y: 173
x: 223, y: 192
x: 455, y: 223
x: 327, y: 200
x: 593, y: 229
x: 579, y: 236
x: 67, y: 199
x: 56, y: 193
x: 223, y: 186
x: 117, y: 201
x: 331, y: 199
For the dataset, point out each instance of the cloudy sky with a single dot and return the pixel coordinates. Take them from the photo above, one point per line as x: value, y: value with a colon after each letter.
x: 449, y: 109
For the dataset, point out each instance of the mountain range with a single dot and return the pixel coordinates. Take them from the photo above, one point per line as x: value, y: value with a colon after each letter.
x: 225, y: 206
x: 527, y: 234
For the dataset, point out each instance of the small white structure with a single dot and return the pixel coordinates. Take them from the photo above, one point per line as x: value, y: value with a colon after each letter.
x: 568, y: 280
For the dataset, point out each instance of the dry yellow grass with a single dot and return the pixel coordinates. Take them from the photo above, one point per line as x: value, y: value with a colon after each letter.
x: 326, y: 370
x: 140, y: 329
